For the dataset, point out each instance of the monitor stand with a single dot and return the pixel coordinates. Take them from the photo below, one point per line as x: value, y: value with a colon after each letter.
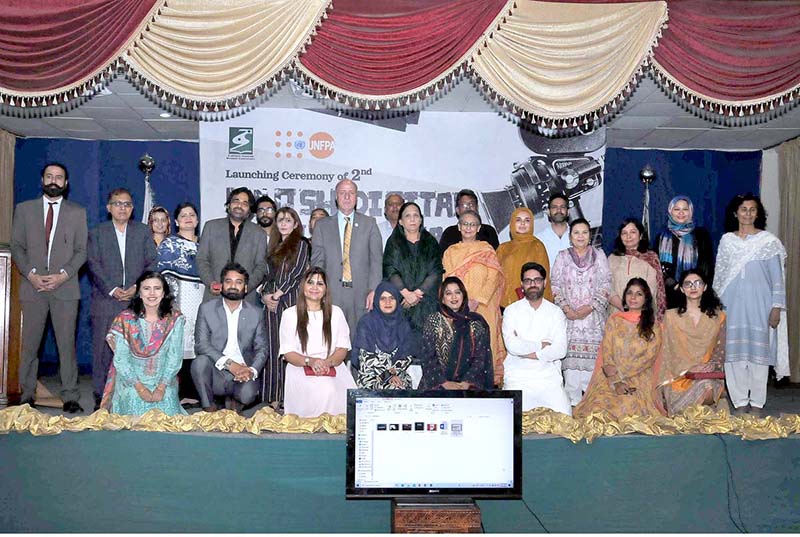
x: 436, y: 515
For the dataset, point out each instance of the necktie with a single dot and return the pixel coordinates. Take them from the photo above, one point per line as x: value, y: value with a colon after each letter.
x: 48, y: 224
x: 347, y: 275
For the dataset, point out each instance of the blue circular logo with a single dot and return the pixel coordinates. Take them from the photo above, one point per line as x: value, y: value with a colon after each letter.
x: 300, y: 144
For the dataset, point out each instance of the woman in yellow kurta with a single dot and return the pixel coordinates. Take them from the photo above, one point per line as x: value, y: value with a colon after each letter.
x: 522, y: 248
x: 475, y: 263
x: 693, y: 354
x: 623, y: 380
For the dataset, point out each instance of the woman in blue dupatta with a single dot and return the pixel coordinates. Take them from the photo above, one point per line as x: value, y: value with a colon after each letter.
x: 147, y: 339
x: 382, y: 346
x: 456, y: 353
x: 682, y: 246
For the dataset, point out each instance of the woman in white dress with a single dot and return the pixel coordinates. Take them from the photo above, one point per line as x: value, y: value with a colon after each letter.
x: 314, y: 342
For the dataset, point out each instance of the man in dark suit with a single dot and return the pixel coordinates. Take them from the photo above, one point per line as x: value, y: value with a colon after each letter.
x: 119, y: 252
x: 233, y: 239
x: 348, y: 246
x: 467, y: 200
x: 48, y: 246
x: 230, y: 344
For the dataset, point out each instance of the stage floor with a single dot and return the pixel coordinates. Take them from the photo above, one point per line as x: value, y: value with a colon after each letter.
x: 126, y: 481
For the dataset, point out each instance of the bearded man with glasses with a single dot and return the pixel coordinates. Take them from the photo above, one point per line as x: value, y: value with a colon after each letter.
x: 535, y: 334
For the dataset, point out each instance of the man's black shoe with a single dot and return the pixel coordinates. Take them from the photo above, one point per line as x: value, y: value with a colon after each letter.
x: 72, y: 407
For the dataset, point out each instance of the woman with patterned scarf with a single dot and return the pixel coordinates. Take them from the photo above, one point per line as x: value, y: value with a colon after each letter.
x: 682, y: 246
x: 456, y: 352
x: 631, y: 258
x: 581, y: 287
x: 147, y: 339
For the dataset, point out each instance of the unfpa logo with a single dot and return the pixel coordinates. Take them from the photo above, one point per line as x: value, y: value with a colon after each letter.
x: 293, y: 144
x: 321, y: 145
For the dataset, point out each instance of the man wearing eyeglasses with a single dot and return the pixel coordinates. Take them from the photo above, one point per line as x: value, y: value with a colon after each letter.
x: 535, y: 334
x: 120, y: 250
x: 233, y: 239
x: 467, y: 200
x: 265, y: 217
x: 48, y: 246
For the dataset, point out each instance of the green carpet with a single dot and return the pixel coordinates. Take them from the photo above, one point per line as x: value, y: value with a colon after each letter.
x: 158, y: 482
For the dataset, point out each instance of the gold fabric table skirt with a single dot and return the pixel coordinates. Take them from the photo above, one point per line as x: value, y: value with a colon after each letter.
x: 695, y: 420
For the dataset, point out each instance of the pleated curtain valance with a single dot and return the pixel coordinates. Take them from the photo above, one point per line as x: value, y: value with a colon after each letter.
x: 559, y: 65
x: 555, y: 64
x: 732, y: 58
x: 203, y: 54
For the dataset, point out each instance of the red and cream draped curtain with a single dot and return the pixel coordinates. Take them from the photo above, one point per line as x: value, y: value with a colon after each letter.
x: 732, y: 57
x: 556, y: 64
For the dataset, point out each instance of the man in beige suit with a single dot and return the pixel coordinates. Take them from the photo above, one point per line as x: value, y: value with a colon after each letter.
x: 48, y: 246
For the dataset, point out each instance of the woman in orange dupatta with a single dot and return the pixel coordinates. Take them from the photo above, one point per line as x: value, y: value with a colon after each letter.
x: 623, y: 380
x: 475, y: 263
x: 522, y: 248
x: 692, y: 358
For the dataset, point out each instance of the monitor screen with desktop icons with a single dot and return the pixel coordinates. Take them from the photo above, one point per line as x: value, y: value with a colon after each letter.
x: 436, y: 443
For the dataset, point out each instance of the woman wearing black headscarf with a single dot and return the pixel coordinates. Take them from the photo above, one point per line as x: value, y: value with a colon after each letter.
x: 382, y: 346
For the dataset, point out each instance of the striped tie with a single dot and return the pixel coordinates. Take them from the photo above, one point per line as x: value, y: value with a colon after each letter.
x: 347, y: 275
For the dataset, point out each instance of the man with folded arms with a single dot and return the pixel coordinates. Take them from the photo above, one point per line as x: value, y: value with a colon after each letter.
x: 230, y: 343
x: 535, y: 334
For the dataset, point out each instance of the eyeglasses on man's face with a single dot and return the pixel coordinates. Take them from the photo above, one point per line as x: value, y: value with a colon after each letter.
x: 124, y: 204
x: 532, y: 281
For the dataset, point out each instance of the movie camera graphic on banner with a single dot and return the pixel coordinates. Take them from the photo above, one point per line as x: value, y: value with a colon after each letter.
x: 569, y: 166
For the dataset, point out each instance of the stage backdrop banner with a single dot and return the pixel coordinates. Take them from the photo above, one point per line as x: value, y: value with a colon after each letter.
x: 298, y: 156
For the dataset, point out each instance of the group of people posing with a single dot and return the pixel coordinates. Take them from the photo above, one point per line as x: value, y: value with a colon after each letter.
x: 255, y: 312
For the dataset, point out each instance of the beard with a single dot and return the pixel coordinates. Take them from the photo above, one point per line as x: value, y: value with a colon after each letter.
x: 232, y: 294
x: 533, y: 293
x: 53, y: 190
x: 557, y: 219
x: 265, y: 221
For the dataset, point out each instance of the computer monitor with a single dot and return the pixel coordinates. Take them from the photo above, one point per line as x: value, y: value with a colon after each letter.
x: 445, y: 443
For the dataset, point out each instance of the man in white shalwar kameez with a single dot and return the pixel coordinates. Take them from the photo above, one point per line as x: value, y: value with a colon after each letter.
x: 535, y: 334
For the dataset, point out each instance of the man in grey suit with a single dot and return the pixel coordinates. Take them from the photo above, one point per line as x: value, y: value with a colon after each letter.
x: 348, y: 246
x: 119, y: 252
x: 230, y: 344
x: 234, y: 239
x: 48, y: 246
